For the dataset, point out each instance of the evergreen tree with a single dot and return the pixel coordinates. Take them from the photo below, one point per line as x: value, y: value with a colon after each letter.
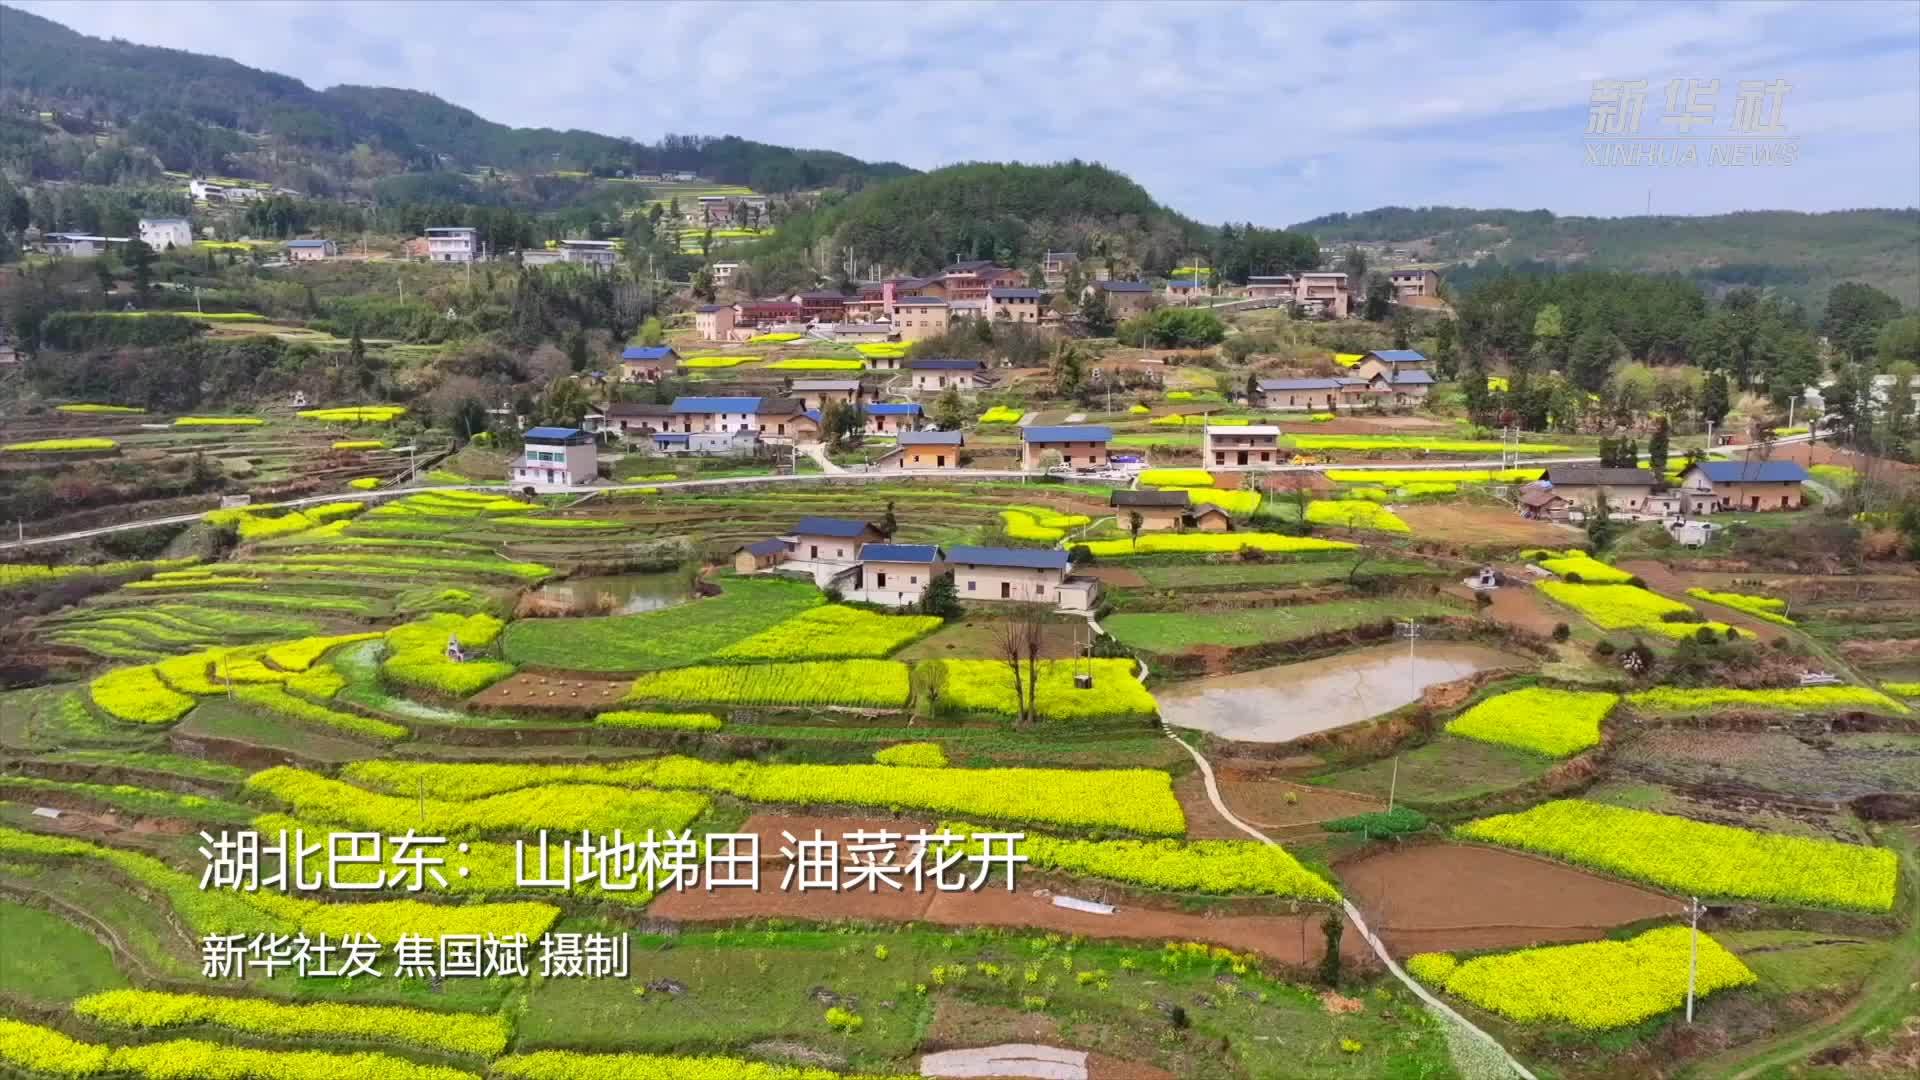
x: 1473, y: 387
x: 942, y: 598
x: 577, y: 351
x: 1096, y: 315
x: 1445, y: 346
x: 1657, y: 447
x: 1715, y: 400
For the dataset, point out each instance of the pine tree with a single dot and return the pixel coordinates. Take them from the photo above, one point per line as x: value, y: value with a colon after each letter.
x: 1657, y: 448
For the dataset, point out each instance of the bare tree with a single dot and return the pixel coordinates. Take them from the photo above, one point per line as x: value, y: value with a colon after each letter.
x: 1018, y: 641
x: 1134, y: 522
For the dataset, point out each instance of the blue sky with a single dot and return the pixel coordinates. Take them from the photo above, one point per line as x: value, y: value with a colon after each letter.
x: 1271, y: 112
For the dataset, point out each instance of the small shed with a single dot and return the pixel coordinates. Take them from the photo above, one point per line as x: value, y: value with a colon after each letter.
x: 757, y: 556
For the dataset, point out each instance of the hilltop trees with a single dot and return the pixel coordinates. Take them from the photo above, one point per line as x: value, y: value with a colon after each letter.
x: 1854, y: 317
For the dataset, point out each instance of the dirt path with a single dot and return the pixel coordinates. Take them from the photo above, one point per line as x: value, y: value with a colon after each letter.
x: 1453, y: 897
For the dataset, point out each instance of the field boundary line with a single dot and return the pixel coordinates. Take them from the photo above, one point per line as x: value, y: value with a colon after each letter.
x: 1360, y: 923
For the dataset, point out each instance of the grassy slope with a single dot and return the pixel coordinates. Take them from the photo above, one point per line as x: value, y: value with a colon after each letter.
x: 673, y: 637
x: 1168, y: 632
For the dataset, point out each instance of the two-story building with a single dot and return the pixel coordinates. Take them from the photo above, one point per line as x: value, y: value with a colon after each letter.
x: 690, y: 414
x: 1079, y: 446
x: 1125, y: 299
x: 1324, y: 293
x: 821, y: 306
x: 1242, y: 444
x: 453, y: 244
x: 714, y: 322
x: 556, y: 457
x: 1185, y: 290
x: 925, y: 450
x: 1411, y: 284
x: 817, y: 393
x: 1389, y: 362
x: 311, y: 250
x: 1022, y: 575
x: 763, y: 313
x: 825, y: 539
x: 648, y: 363
x: 635, y: 419
x: 934, y: 375
x: 166, y: 233
x: 973, y: 279
x: 1056, y: 265
x: 1298, y: 395
x: 604, y: 254
x: 1272, y: 287
x: 1626, y: 489
x: 893, y: 417
x: 916, y: 318
x: 896, y: 574
x: 1014, y: 305
x: 1743, y: 485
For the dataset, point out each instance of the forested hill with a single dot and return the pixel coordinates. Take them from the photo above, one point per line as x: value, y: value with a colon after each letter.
x: 1010, y: 213
x: 204, y: 114
x: 1796, y: 254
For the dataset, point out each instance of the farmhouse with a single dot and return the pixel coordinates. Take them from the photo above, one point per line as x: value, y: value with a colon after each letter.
x: 1272, y: 287
x: 1743, y: 485
x: 759, y: 313
x: 1013, y: 305
x: 895, y: 574
x: 555, y: 458
x: 1583, y: 485
x: 816, y: 393
x: 825, y: 539
x: 452, y: 244
x: 713, y: 322
x: 1242, y: 444
x: 1323, y: 293
x: 77, y: 245
x: 706, y: 443
x: 692, y: 414
x: 1298, y: 394
x: 1159, y: 510
x: 1389, y: 363
x: 824, y: 306
x: 1538, y: 500
x: 784, y: 420
x: 925, y: 450
x: 625, y: 418
x: 311, y: 250
x: 167, y: 233
x: 935, y: 375
x: 853, y: 333
x: 759, y: 555
x: 1185, y: 290
x: 1082, y: 447
x: 1411, y: 284
x: 1396, y: 387
x: 892, y: 417
x: 920, y: 317
x: 597, y: 253
x: 648, y: 363
x: 1124, y: 298
x: 1019, y: 574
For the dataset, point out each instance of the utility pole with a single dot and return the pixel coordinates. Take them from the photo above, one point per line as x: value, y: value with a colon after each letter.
x: 1693, y: 950
x: 1411, y: 631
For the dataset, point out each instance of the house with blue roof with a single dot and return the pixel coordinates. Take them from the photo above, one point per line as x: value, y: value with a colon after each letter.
x: 1742, y: 485
x: 648, y: 363
x: 1014, y: 305
x: 1388, y: 361
x: 1079, y: 447
x: 896, y: 574
x: 893, y: 417
x: 1020, y: 575
x: 556, y: 458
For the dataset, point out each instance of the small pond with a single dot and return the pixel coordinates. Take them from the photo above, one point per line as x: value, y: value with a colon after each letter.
x: 1287, y: 702
x: 630, y: 593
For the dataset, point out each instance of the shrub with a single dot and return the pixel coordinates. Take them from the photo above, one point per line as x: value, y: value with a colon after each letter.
x: 137, y: 696
x: 478, y: 1035
x: 1556, y: 723
x: 984, y: 686
x: 58, y: 446
x: 923, y: 755
x: 1214, y: 543
x: 1760, y: 607
x: 870, y: 684
x: 1597, y: 985
x: 1797, y: 699
x: 659, y: 721
x: 1380, y: 824
x: 1561, y: 631
x: 1695, y: 857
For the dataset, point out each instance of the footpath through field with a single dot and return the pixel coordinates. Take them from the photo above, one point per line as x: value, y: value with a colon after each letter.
x: 1360, y: 924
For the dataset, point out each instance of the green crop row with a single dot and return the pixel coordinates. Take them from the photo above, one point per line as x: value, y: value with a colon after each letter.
x: 832, y: 632
x: 984, y: 686
x: 867, y: 684
x: 1213, y: 867
x: 456, y: 1033
x: 560, y: 807
x: 12, y: 574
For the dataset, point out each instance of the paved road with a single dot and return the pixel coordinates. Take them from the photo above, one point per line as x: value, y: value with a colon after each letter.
x: 842, y: 476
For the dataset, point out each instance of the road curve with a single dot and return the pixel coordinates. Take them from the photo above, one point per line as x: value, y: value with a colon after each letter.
x: 797, y: 478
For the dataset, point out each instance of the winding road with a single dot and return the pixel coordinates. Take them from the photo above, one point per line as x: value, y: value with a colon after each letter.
x: 830, y: 477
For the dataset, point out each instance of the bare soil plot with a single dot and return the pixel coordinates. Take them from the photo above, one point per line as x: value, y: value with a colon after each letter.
x: 973, y: 638
x: 1119, y: 577
x: 1469, y: 524
x: 1265, y: 803
x: 535, y: 692
x: 1446, y: 769
x: 1741, y: 805
x: 1831, y: 767
x: 1448, y: 897
x: 1517, y: 605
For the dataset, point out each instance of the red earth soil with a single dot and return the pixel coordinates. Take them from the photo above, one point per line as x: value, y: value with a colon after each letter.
x: 1294, y: 940
x: 533, y: 690
x: 1450, y: 897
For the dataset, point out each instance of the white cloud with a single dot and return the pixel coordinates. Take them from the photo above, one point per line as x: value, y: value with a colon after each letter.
x: 1272, y: 112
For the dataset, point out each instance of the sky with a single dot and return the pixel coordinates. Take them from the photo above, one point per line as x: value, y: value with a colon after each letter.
x: 1270, y: 112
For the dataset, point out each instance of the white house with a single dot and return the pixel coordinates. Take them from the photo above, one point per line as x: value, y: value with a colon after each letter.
x: 895, y: 574
x: 311, y: 250
x: 556, y: 457
x: 452, y: 244
x: 75, y: 245
x: 160, y: 234
x: 600, y: 253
